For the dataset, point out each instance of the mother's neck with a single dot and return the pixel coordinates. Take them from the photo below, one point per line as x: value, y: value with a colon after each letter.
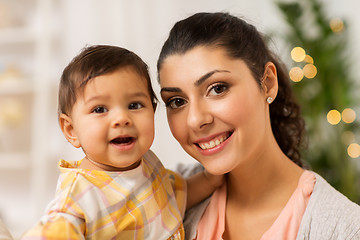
x: 269, y: 176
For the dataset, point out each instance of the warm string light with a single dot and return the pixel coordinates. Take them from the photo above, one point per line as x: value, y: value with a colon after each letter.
x: 309, y: 71
x: 309, y: 59
x: 333, y: 117
x: 296, y: 74
x: 337, y: 25
x: 353, y: 150
x: 11, y: 113
x: 298, y: 54
x: 348, y: 115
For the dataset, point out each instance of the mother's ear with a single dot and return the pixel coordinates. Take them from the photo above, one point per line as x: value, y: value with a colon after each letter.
x: 67, y: 128
x: 270, y: 81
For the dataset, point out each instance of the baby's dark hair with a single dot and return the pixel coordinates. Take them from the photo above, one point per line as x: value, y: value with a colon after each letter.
x: 92, y: 62
x: 243, y: 41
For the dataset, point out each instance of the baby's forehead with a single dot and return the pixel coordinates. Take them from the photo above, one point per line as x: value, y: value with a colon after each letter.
x: 82, y: 80
x: 126, y: 76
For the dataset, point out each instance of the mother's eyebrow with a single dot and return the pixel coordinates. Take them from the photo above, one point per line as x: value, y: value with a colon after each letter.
x: 170, y: 89
x: 207, y: 75
x: 196, y: 83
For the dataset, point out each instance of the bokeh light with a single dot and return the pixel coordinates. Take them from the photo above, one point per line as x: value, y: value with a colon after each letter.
x: 11, y: 113
x: 309, y: 70
x: 308, y: 59
x: 333, y: 117
x: 296, y: 74
x: 336, y: 25
x: 298, y: 54
x: 353, y: 150
x: 348, y: 115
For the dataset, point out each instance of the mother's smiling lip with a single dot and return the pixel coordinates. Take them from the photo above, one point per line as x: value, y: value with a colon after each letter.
x: 213, y: 141
x: 217, y: 147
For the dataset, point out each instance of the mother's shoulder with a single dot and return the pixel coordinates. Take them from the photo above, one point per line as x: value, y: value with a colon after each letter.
x: 329, y: 214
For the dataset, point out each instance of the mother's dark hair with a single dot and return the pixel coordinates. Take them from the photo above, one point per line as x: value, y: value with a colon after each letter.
x: 243, y: 41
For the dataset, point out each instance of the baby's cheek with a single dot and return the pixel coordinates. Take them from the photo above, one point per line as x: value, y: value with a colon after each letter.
x: 94, y: 133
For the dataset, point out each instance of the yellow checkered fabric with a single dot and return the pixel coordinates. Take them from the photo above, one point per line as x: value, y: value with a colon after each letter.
x: 144, y: 203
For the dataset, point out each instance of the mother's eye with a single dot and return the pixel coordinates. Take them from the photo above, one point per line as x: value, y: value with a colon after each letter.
x: 175, y: 103
x: 218, y: 89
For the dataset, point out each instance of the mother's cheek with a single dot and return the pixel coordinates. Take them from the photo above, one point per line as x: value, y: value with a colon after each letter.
x: 231, y: 112
x: 176, y: 125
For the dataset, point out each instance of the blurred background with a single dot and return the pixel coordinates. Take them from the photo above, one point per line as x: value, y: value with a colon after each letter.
x: 318, y: 40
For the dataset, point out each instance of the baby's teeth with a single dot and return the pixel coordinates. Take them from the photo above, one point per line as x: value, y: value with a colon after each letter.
x: 217, y: 142
x: 212, y: 144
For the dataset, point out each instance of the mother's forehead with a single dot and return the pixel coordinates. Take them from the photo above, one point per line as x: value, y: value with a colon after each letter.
x: 199, y: 64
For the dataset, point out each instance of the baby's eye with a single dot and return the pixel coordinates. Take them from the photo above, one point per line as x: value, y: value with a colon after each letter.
x: 100, y: 109
x: 135, y: 105
x: 175, y: 103
x: 218, y: 89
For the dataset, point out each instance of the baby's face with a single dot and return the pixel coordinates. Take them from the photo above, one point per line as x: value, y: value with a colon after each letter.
x: 113, y: 120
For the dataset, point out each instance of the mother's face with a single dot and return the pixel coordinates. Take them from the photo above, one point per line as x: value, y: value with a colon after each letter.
x: 215, y: 108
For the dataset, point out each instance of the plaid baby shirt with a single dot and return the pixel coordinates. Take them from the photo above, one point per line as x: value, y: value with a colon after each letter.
x: 147, y: 202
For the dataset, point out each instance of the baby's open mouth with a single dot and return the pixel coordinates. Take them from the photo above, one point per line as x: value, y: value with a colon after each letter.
x: 122, y: 140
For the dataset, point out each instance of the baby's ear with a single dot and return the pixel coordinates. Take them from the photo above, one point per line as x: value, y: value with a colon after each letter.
x: 270, y: 81
x: 67, y: 128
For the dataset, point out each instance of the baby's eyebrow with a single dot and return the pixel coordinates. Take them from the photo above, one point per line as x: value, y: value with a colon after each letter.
x: 207, y: 75
x: 138, y: 94
x: 95, y: 98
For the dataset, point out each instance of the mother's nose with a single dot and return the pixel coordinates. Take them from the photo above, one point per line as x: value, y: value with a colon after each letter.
x: 199, y: 115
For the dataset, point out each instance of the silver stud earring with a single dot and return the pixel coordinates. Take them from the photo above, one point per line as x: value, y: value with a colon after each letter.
x: 269, y: 100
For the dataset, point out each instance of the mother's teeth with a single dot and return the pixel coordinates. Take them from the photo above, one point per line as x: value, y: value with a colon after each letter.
x: 212, y: 143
